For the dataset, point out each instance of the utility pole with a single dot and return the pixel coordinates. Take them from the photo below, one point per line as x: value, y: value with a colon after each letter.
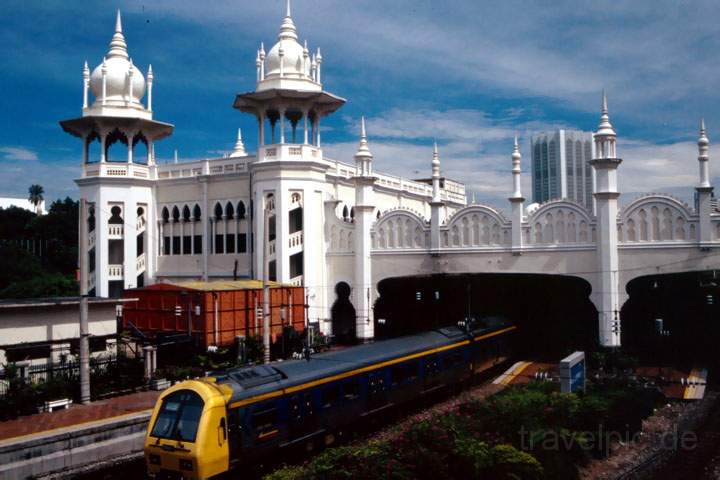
x: 266, y: 284
x: 84, y: 334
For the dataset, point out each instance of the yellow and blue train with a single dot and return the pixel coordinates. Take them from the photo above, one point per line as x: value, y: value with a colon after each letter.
x: 202, y: 428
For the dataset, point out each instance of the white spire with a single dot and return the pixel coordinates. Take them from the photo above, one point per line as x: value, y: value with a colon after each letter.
x: 703, y: 157
x: 287, y: 29
x: 363, y: 156
x: 605, y: 135
x: 605, y: 127
x: 239, y: 150
x: 516, y: 159
x: 118, y: 47
x: 435, y: 174
x: 363, y: 148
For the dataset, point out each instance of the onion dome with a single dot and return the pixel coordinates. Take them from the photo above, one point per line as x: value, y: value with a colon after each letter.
x: 286, y: 57
x: 124, y: 83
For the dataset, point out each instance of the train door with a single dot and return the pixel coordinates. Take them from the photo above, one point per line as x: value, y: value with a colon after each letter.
x: 302, y: 415
x: 263, y: 426
x: 234, y: 429
x: 377, y: 390
x: 431, y: 373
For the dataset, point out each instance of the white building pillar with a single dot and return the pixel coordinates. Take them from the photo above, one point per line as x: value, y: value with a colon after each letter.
x: 129, y: 242
x: 704, y: 190
x: 364, y: 208
x: 606, y: 196
x: 516, y: 200
x: 282, y: 234
x: 282, y: 126
x: 305, y: 127
x: 436, y: 205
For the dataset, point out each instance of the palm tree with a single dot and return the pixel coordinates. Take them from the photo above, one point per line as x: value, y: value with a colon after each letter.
x: 36, y: 196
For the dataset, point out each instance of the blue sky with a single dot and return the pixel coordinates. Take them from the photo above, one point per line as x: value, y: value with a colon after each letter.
x: 469, y: 74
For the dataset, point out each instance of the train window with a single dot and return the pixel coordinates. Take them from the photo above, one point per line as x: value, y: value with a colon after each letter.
x: 404, y: 373
x: 330, y: 395
x: 453, y: 360
x: 431, y: 366
x: 179, y: 416
x: 264, y: 419
x: 351, y: 389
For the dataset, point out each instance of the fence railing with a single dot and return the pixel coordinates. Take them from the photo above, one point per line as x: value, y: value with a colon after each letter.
x: 35, y: 374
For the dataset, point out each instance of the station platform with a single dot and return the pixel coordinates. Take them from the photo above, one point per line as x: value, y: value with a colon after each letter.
x: 35, y: 446
x: 674, y: 383
x: 77, y: 415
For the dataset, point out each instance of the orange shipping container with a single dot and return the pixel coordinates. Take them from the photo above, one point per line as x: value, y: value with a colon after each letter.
x: 214, y: 313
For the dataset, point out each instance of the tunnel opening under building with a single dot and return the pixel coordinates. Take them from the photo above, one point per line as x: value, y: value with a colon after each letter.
x: 553, y: 312
x: 674, y: 319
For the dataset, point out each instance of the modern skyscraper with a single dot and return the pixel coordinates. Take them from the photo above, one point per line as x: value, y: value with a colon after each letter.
x: 560, y: 167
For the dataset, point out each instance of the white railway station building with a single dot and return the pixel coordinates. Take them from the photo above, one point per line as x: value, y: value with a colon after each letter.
x: 333, y: 221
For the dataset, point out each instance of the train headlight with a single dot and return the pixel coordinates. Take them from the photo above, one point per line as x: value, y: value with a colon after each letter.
x: 154, y: 459
x: 186, y: 464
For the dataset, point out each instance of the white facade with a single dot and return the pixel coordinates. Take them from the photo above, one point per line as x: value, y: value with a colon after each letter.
x: 334, y: 221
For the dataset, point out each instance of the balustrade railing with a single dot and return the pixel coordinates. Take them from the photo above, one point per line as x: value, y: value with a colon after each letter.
x: 115, y: 272
x: 296, y: 239
x: 140, y: 264
x: 115, y: 231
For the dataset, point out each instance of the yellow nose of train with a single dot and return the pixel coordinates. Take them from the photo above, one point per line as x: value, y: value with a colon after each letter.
x: 188, y: 436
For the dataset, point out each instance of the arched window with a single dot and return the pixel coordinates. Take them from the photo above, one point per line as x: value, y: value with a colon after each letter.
x: 186, y: 213
x: 218, y: 211
x: 229, y: 211
x: 115, y: 215
x: 165, y: 215
x: 176, y: 214
x: 352, y: 214
x: 378, y: 215
x: 115, y: 153
x: 241, y: 210
x: 346, y: 213
x: 196, y: 213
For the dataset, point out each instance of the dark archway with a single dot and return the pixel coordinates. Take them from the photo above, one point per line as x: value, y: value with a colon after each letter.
x: 343, y: 316
x: 673, y: 319
x: 553, y: 312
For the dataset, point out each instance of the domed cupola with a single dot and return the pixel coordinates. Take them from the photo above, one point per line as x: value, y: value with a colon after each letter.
x: 116, y: 82
x: 288, y: 64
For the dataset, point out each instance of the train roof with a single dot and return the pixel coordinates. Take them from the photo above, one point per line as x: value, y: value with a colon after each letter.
x: 248, y: 382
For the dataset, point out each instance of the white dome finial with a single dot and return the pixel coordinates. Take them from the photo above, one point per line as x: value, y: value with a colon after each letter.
x: 287, y: 29
x: 605, y: 127
x: 118, y: 47
x: 239, y: 150
x: 704, y: 157
x: 436, y: 174
x: 363, y: 157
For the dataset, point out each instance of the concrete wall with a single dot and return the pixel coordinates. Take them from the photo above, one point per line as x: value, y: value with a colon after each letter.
x: 52, y: 323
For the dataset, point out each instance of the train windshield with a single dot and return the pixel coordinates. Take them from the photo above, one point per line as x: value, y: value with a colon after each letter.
x: 179, y: 416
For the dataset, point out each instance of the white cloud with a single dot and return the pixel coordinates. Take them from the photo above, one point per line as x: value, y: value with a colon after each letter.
x: 18, y: 153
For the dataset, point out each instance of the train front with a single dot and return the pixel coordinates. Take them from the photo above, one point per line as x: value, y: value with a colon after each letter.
x: 187, y: 436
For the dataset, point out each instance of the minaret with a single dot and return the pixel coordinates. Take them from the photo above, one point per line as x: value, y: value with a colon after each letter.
x: 125, y: 238
x: 516, y: 200
x: 436, y: 204
x: 239, y: 150
x: 704, y: 189
x: 364, y: 207
x: 606, y: 194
